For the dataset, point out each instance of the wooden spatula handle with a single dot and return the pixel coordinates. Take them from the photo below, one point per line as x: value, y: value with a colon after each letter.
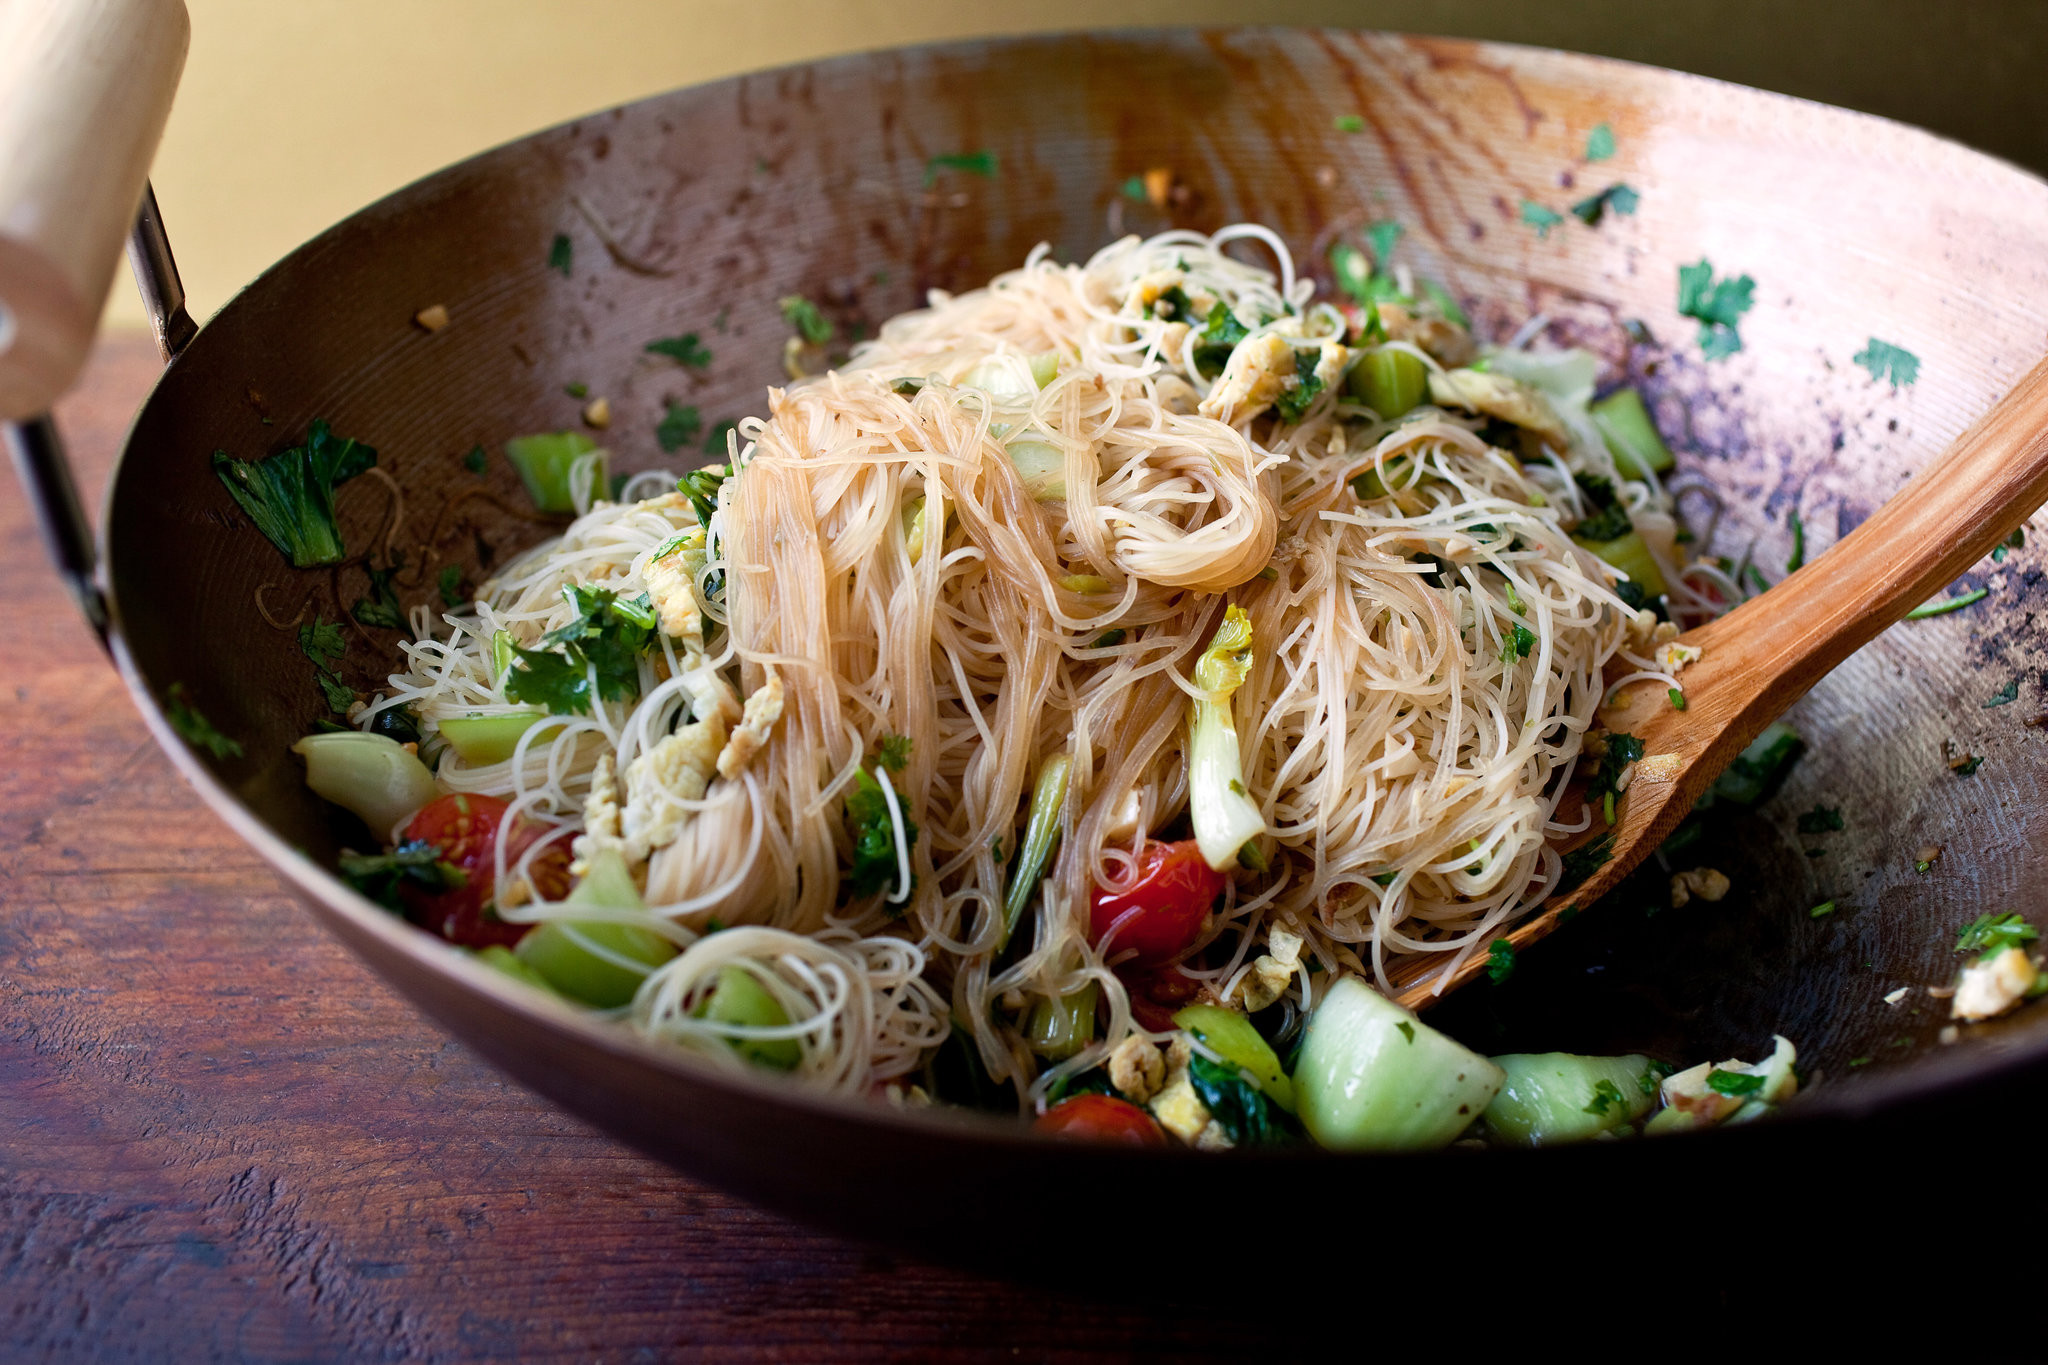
x: 85, y: 87
x: 1949, y: 516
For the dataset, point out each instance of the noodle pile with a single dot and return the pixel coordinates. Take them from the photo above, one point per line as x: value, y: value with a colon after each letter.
x: 1004, y: 533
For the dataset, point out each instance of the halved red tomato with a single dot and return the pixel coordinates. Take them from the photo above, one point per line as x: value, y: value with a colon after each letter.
x: 464, y: 827
x: 1101, y: 1118
x: 1163, y: 910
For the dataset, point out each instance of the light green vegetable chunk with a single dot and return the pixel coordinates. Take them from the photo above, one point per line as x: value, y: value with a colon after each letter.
x: 1042, y: 466
x: 488, y: 739
x: 1220, y: 808
x: 1553, y: 1097
x: 599, y: 963
x: 545, y: 461
x: 1062, y: 1027
x: 1631, y: 435
x: 1389, y: 381
x: 506, y: 961
x: 372, y: 775
x: 1374, y: 1078
x: 1041, y: 836
x: 1631, y: 554
x: 741, y: 1000
x: 1231, y: 1036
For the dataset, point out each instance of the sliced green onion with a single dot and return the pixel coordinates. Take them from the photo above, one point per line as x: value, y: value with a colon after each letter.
x: 1941, y: 606
x: 1041, y: 837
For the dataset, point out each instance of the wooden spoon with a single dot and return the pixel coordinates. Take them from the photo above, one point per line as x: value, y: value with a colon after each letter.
x: 1765, y: 654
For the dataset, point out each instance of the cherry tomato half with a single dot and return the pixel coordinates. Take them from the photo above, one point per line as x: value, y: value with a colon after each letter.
x: 1162, y: 912
x: 464, y: 827
x: 1101, y: 1118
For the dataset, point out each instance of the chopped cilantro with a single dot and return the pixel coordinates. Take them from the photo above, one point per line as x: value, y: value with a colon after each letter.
x: 1583, y: 862
x: 893, y: 752
x: 1718, y: 306
x: 476, y: 460
x: 556, y: 679
x: 576, y: 388
x: 678, y: 427
x: 1384, y: 236
x: 1622, y: 750
x: 380, y: 606
x: 1609, y: 520
x: 1733, y: 1082
x: 714, y: 440
x: 1109, y: 639
x: 1619, y: 199
x: 1237, y: 1104
x: 1540, y: 218
x: 1606, y: 1094
x: 1500, y: 960
x: 322, y: 641
x: 2016, y: 541
x: 701, y: 487
x: 982, y: 163
x: 1600, y: 143
x: 1134, y: 189
x: 1967, y: 765
x: 1995, y: 933
x: 1942, y: 606
x: 1821, y: 820
x: 450, y: 584
x: 340, y: 696
x: 874, y: 836
x: 602, y: 644
x: 1861, y: 1061
x: 1821, y: 911
x: 290, y: 495
x: 1350, y: 123
x: 1294, y: 403
x: 1219, y: 336
x: 1798, y: 527
x: 561, y: 254
x: 1407, y: 1030
x: 1518, y: 644
x: 685, y: 349
x: 802, y: 314
x: 1677, y: 698
x: 2004, y: 695
x: 415, y: 863
x: 1888, y: 362
x: 194, y: 728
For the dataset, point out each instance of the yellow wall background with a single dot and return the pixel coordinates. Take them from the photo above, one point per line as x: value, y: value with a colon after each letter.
x: 294, y: 113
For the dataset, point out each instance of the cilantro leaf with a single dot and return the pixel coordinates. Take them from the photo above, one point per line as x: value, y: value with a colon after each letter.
x: 1717, y: 306
x: 1609, y: 520
x: 1219, y: 336
x: 1134, y: 189
x: 982, y: 163
x: 556, y: 679
x: 1821, y: 820
x: 1500, y: 961
x: 415, y: 863
x: 893, y: 752
x: 1384, y: 235
x: 685, y: 349
x: 450, y: 584
x: 1733, y: 1083
x: 1583, y: 862
x: 1294, y: 403
x: 1888, y: 362
x: 1797, y: 559
x: 476, y: 460
x: 290, y: 495
x: 1606, y: 1094
x: 380, y: 607
x: 803, y: 315
x: 194, y: 728
x: 1995, y: 933
x: 1540, y: 218
x: 1246, y: 1115
x: 561, y: 254
x: 1619, y: 199
x: 701, y: 486
x: 874, y: 836
x: 1967, y: 765
x: 1350, y: 123
x: 321, y: 641
x: 678, y: 427
x: 2004, y: 695
x: 1600, y: 143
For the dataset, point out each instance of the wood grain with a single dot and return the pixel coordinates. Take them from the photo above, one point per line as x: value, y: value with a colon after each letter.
x: 222, y: 1139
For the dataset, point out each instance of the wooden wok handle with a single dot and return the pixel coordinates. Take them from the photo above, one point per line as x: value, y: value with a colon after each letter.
x: 1949, y: 516
x: 85, y: 87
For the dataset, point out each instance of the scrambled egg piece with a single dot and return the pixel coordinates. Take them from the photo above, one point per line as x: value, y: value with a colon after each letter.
x: 600, y: 816
x: 671, y: 583
x: 1273, y: 972
x: 764, y: 708
x: 1179, y: 1109
x: 1992, y: 985
x: 1449, y: 343
x: 1672, y: 656
x: 1496, y: 395
x: 1707, y: 883
x: 1330, y: 362
x: 1259, y: 371
x: 1147, y: 290
x: 1137, y: 1069
x: 676, y: 770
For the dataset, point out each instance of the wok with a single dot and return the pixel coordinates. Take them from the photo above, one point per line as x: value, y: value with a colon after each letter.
x: 695, y: 211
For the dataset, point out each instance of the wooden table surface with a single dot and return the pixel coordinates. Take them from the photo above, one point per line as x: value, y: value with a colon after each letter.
x: 222, y: 1138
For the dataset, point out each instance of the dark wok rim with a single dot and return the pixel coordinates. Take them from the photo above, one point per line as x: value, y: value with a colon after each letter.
x: 1932, y: 1078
